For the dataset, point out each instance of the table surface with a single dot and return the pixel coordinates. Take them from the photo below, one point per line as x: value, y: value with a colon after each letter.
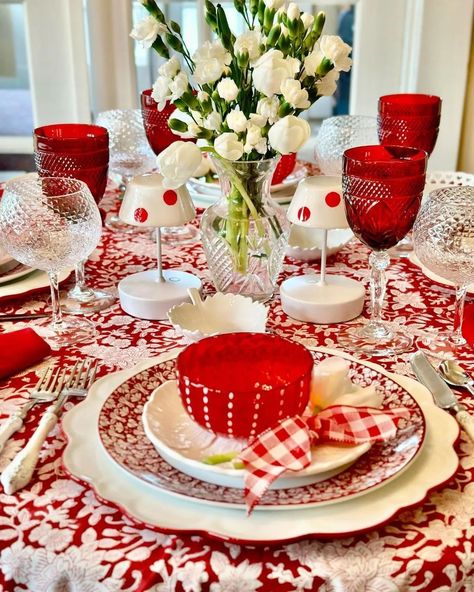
x: 56, y: 535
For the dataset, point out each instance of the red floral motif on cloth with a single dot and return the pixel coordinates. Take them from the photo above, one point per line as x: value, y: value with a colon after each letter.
x: 57, y: 534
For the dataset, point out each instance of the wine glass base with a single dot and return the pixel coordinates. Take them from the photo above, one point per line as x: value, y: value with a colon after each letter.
x: 440, y: 346
x: 114, y: 224
x: 176, y: 235
x: 359, y: 339
x: 68, y: 332
x: 93, y: 301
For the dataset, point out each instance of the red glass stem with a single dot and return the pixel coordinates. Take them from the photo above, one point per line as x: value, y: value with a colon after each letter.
x: 458, y: 338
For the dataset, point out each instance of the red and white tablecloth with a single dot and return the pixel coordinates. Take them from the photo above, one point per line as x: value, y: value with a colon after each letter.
x: 55, y: 535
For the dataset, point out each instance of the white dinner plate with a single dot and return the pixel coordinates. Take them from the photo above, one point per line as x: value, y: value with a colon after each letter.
x: 12, y: 274
x: 86, y: 460
x: 433, y: 276
x: 184, y: 444
x: 31, y: 283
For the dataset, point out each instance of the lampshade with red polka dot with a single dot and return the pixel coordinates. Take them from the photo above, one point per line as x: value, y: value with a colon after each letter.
x: 147, y: 203
x: 318, y: 203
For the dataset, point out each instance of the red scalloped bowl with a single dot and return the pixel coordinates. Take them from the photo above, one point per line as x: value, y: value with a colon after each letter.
x: 239, y: 384
x: 284, y: 168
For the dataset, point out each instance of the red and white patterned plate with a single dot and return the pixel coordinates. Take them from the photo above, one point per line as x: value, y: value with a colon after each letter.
x: 123, y: 437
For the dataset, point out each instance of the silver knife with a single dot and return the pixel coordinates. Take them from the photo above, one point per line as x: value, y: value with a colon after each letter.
x: 442, y: 394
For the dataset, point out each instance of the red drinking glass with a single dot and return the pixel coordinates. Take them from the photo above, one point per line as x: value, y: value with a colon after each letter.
x: 79, y: 151
x: 381, y: 206
x: 239, y: 384
x: 409, y: 120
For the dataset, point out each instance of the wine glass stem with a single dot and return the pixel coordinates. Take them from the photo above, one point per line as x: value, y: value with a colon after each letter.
x: 379, y: 261
x: 55, y: 303
x: 458, y: 338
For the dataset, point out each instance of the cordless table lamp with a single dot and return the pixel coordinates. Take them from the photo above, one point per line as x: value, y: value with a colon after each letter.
x: 322, y: 299
x: 150, y: 294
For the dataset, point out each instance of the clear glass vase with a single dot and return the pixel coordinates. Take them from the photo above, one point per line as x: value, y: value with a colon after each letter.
x: 245, y: 233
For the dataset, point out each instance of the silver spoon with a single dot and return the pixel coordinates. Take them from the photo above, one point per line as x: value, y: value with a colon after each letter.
x: 455, y: 375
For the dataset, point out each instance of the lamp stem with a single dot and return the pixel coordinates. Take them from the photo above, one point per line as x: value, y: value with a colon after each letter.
x: 161, y: 277
x: 322, y: 281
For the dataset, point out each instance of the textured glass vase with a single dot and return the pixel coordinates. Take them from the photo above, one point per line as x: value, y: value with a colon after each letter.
x: 245, y: 233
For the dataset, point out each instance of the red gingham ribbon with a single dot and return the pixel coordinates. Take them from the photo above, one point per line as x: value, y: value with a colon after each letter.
x: 287, y: 446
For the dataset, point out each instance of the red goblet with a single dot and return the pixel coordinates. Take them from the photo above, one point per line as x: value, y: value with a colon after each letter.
x: 381, y: 206
x: 79, y: 151
x: 160, y: 136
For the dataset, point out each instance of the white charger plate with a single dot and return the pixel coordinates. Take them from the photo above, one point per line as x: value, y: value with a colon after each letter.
x: 31, y: 283
x: 12, y: 274
x: 433, y: 276
x: 183, y: 444
x: 86, y: 460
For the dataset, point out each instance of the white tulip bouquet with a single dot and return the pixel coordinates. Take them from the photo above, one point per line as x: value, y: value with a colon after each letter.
x: 242, y: 95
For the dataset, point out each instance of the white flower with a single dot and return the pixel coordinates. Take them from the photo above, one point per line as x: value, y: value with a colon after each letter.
x: 250, y: 42
x: 257, y: 119
x: 202, y: 96
x: 307, y: 19
x: 193, y: 130
x: 313, y: 60
x: 293, y: 11
x: 178, y: 85
x: 334, y: 48
x: 211, y: 61
x: 289, y: 134
x: 294, y: 95
x: 274, y: 4
x: 327, y: 85
x: 147, y: 31
x: 170, y: 68
x: 161, y: 91
x: 254, y: 140
x: 236, y: 121
x: 178, y: 162
x: 203, y: 168
x: 228, y: 146
x: 284, y: 30
x: 271, y: 69
x: 268, y: 107
x: 213, y: 121
x: 227, y: 89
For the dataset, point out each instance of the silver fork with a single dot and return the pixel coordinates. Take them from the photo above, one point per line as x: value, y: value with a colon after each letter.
x: 42, y: 393
x: 45, y: 391
x: 19, y: 472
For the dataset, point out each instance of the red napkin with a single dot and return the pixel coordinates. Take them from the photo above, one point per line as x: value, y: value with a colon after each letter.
x: 21, y: 349
x: 468, y: 323
x: 287, y: 446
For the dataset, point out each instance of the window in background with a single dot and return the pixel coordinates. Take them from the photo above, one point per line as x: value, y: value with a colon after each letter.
x: 16, y: 115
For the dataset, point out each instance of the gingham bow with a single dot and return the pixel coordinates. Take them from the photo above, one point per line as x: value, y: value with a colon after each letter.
x: 287, y: 446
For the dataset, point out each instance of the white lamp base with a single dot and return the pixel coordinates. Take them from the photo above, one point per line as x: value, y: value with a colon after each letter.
x: 339, y: 299
x: 142, y: 295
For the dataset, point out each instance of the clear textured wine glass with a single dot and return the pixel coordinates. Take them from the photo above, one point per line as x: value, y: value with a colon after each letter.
x: 51, y: 223
x: 338, y: 134
x: 130, y: 153
x: 443, y: 236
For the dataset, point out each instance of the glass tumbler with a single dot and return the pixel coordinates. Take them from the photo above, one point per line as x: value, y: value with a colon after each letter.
x: 51, y: 223
x: 338, y: 134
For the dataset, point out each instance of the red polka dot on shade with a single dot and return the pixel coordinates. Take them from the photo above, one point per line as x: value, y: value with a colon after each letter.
x: 304, y: 214
x: 170, y: 197
x: 140, y: 215
x: 333, y: 199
